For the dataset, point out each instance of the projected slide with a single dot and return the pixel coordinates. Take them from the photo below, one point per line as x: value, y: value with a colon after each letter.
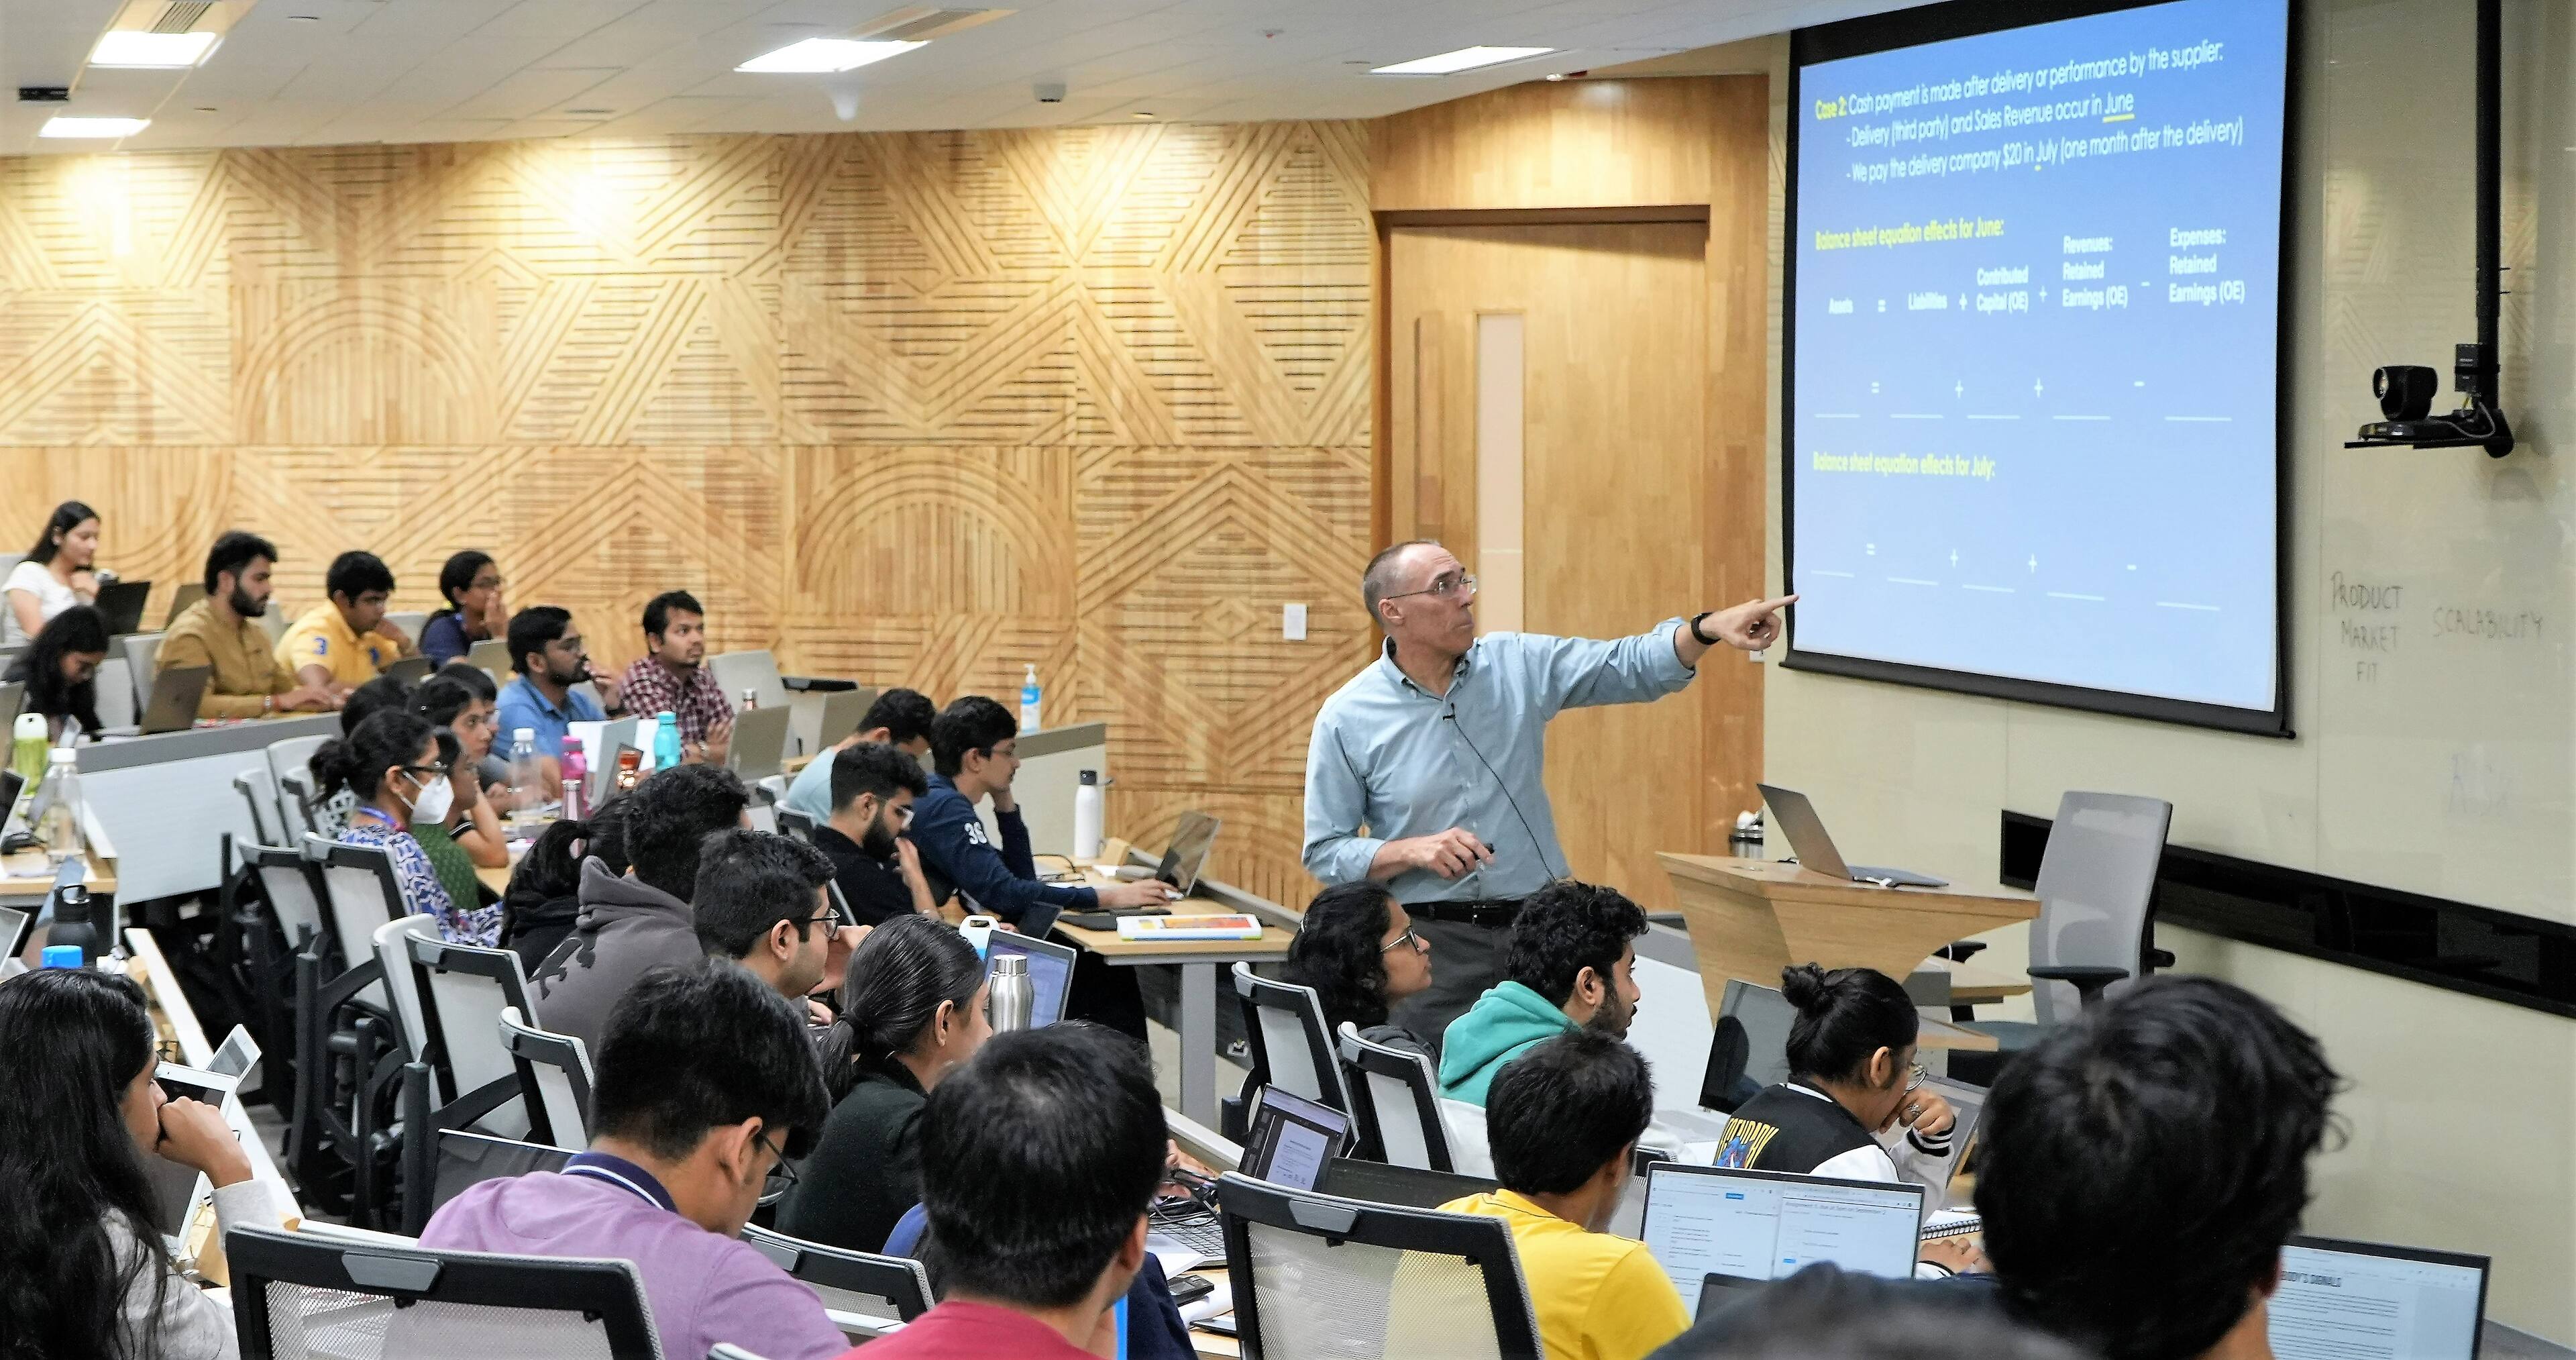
x: 2033, y: 371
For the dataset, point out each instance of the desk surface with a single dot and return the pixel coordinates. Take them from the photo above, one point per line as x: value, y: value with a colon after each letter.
x: 1778, y: 880
x: 1273, y: 943
x: 30, y: 875
x: 1974, y: 986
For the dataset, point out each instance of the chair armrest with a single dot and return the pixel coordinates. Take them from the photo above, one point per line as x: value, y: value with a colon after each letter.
x: 1957, y: 951
x: 2089, y: 981
x: 817, y: 684
x: 2159, y: 958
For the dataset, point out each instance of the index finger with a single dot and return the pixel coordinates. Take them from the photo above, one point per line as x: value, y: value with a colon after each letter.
x: 1774, y: 606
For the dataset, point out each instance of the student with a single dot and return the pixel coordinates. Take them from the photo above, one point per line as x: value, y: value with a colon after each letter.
x: 473, y: 827
x: 1563, y: 1120
x: 550, y: 660
x: 899, y: 718
x: 630, y: 925
x: 2139, y: 1171
x: 912, y: 1012
x: 1038, y: 1161
x: 494, y: 767
x: 873, y: 786
x: 344, y: 642
x: 383, y: 694
x: 1852, y: 1081
x: 60, y: 670
x: 976, y: 745
x: 474, y: 613
x: 57, y: 573
x: 222, y: 632
x: 398, y: 766
x: 672, y: 677
x: 1358, y: 950
x: 760, y: 902
x: 705, y: 1082
x: 1820, y: 1311
x: 1568, y: 963
x: 543, y: 899
x: 78, y: 1245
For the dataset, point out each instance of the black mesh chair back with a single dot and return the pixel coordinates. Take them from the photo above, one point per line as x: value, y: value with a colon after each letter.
x: 305, y: 1297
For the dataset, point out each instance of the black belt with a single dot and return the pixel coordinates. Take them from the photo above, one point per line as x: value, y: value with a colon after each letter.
x: 1490, y: 912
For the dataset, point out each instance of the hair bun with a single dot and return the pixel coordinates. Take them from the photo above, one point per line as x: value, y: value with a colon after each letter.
x: 1804, y: 986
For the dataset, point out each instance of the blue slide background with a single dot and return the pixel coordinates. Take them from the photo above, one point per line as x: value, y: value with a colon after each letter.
x: 2123, y: 535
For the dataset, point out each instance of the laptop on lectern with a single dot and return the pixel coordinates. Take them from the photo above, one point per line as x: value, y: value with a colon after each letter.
x: 1796, y: 817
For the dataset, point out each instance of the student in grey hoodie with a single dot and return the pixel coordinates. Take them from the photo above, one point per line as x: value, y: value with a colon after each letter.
x: 640, y: 921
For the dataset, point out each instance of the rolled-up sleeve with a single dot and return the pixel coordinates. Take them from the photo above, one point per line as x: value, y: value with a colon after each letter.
x: 1583, y: 672
x: 1336, y: 808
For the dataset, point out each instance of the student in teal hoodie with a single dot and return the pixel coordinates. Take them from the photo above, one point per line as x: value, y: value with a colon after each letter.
x: 1568, y: 964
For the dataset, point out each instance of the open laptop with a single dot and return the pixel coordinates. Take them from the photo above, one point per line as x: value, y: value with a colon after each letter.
x: 173, y: 706
x: 188, y: 593
x: 1050, y: 971
x: 16, y: 928
x: 2342, y: 1298
x: 493, y: 655
x: 121, y: 602
x: 759, y: 743
x: 1187, y: 855
x: 410, y: 670
x: 1767, y: 1225
x: 12, y: 698
x: 1287, y: 1141
x: 1750, y: 1049
x: 1717, y: 1291
x: 1795, y: 816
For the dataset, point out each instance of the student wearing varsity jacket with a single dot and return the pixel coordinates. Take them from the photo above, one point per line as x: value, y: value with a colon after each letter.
x: 1850, y: 1108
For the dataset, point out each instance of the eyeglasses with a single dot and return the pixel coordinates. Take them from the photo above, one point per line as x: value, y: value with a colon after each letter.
x: 433, y: 771
x: 1407, y: 938
x: 781, y: 1169
x: 1445, y: 584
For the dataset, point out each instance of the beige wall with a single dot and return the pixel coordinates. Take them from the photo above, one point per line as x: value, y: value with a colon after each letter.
x: 2447, y: 771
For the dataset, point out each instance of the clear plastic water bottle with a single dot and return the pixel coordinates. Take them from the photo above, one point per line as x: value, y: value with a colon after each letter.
x: 666, y: 740
x: 527, y: 784
x: 1030, y: 694
x: 576, y: 773
x: 62, y: 823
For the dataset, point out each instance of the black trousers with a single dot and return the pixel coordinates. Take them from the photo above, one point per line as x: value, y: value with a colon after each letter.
x: 1466, y: 961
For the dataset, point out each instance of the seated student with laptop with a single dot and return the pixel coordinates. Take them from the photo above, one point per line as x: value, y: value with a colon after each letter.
x: 1567, y: 964
x: 1852, y: 1082
x: 60, y: 671
x: 912, y: 1013
x: 222, y: 632
x: 975, y: 744
x: 2144, y: 1218
x: 759, y: 902
x: 900, y: 718
x: 705, y: 1082
x: 345, y: 641
x: 1038, y: 1160
x: 1563, y: 1120
x: 879, y: 869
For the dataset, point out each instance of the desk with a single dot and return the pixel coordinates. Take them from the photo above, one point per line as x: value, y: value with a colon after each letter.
x: 1974, y: 986
x: 1750, y: 918
x: 30, y: 875
x: 169, y: 799
x: 1198, y: 961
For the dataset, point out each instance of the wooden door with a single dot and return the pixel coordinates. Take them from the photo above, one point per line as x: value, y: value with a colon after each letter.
x: 1619, y: 520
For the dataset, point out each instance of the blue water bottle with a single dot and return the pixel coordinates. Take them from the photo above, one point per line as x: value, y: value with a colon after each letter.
x: 666, y: 740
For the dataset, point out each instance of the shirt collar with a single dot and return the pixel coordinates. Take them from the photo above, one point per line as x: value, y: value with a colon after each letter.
x: 617, y: 1171
x: 538, y: 697
x: 1395, y: 674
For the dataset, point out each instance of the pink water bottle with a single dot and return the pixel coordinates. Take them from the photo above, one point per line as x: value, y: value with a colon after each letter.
x: 576, y: 771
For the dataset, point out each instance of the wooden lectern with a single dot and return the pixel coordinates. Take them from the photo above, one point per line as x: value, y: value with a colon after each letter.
x: 1750, y: 918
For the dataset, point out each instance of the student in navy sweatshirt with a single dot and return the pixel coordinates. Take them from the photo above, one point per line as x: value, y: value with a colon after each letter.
x: 975, y: 745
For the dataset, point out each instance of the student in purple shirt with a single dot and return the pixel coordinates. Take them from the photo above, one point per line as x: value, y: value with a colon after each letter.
x: 705, y: 1081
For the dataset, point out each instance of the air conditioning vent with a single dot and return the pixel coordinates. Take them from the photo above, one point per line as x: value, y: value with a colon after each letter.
x: 182, y: 16
x: 921, y: 23
x: 179, y: 16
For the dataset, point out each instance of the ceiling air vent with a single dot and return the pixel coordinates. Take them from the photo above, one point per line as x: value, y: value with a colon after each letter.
x: 179, y: 16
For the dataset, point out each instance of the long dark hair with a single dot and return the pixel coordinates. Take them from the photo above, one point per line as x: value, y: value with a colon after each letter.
x: 1336, y: 952
x: 77, y: 629
x: 71, y: 1041
x: 358, y: 761
x: 896, y: 980
x: 66, y: 517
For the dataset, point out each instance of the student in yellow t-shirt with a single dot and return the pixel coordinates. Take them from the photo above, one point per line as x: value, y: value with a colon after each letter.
x: 345, y: 641
x: 1563, y: 1121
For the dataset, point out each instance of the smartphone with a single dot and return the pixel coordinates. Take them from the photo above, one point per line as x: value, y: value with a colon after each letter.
x: 1189, y: 1289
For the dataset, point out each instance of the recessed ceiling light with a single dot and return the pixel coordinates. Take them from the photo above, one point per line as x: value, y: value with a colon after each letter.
x: 816, y: 56
x: 305, y: 18
x: 208, y: 108
x: 152, y: 51
x: 1140, y: 115
x: 589, y: 113
x: 1556, y: 75
x: 1464, y: 59
x: 65, y: 126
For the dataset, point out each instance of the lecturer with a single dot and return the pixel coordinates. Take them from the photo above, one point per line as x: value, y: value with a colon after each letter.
x: 1438, y: 749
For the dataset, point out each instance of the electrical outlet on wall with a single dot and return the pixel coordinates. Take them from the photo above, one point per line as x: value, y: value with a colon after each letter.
x: 1292, y: 622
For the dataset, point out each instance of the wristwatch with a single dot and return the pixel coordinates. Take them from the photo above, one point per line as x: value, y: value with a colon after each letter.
x: 1704, y: 639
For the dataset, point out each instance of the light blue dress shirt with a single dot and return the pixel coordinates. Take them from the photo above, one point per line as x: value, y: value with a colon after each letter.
x: 811, y: 791
x: 520, y: 705
x: 1389, y: 760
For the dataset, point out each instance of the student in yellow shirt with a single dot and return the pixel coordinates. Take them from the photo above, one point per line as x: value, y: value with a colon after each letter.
x: 344, y: 642
x: 1563, y: 1121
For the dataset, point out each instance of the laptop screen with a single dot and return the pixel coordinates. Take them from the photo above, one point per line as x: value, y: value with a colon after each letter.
x: 238, y: 1055
x: 1050, y: 972
x: 1752, y: 1020
x: 1291, y: 1138
x: 2352, y: 1299
x: 1764, y: 1225
x: 1186, y: 857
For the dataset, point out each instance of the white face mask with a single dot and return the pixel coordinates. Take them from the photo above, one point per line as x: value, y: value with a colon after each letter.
x: 437, y: 799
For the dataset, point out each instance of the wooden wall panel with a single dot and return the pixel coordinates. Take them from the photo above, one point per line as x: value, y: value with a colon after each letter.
x: 921, y: 408
x: 1550, y: 144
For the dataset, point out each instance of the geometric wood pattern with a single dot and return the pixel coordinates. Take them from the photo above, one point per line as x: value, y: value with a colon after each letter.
x: 919, y: 408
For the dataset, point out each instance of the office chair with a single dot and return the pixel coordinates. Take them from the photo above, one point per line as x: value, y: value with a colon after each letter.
x: 1315, y: 1275
x: 1399, y: 1102
x: 306, y: 1297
